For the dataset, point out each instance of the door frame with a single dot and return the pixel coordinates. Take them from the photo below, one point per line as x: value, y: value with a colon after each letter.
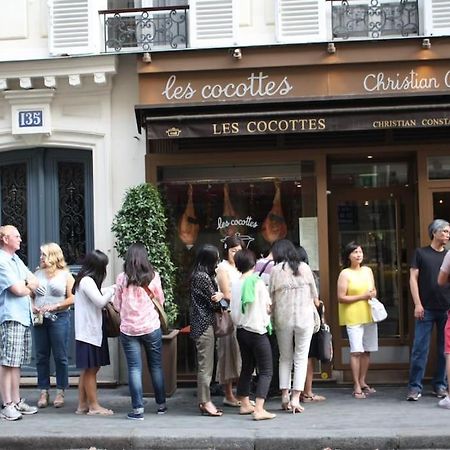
x: 362, y: 194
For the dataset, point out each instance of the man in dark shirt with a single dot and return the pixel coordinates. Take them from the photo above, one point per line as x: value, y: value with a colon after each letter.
x: 431, y: 303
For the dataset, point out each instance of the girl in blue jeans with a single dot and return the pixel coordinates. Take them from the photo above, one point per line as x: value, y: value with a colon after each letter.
x: 140, y: 326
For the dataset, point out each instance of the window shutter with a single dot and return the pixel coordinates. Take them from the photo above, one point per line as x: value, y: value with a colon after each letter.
x: 71, y: 27
x: 213, y: 23
x: 301, y: 20
x: 437, y: 17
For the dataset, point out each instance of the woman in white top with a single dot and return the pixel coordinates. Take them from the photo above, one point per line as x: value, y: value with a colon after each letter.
x: 293, y: 290
x: 91, y: 343
x: 228, y: 354
x: 250, y: 311
x: 53, y: 299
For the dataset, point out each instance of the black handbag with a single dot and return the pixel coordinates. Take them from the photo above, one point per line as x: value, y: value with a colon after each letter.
x: 324, y: 339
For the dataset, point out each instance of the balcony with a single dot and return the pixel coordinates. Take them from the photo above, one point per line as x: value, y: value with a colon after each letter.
x: 145, y: 29
x: 374, y: 19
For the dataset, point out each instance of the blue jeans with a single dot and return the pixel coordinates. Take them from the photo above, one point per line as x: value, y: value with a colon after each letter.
x: 421, y: 347
x: 53, y: 337
x: 152, y: 344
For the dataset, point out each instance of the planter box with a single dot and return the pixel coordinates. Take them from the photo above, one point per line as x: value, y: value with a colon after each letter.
x: 169, y: 362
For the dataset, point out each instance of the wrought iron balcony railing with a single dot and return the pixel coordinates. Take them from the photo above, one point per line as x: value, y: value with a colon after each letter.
x: 374, y: 19
x: 145, y: 29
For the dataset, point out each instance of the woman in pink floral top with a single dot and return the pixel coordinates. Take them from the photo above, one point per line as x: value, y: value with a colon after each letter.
x: 140, y: 326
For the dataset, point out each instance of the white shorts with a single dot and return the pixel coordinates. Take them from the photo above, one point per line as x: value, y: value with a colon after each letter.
x: 363, y: 338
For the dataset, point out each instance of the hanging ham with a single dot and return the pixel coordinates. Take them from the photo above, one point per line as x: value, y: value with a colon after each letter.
x: 228, y: 213
x: 188, y: 226
x: 274, y: 226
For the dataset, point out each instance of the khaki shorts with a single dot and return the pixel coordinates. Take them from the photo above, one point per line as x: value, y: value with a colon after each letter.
x: 15, y: 344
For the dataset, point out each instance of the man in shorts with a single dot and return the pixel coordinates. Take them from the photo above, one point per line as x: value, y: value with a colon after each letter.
x: 444, y: 280
x: 16, y: 285
x: 431, y: 303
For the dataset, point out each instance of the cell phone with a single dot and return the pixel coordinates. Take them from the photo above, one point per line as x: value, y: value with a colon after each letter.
x: 224, y: 303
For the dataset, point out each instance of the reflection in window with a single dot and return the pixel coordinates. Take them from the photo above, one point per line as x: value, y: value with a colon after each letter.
x: 369, y: 175
x: 438, y: 168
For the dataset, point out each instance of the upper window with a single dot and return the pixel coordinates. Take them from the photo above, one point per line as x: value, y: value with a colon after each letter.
x: 438, y: 167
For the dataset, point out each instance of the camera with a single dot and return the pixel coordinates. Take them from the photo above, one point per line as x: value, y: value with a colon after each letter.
x: 50, y: 316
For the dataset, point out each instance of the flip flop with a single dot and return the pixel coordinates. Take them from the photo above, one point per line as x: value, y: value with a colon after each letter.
x: 359, y: 395
x: 312, y: 398
x: 368, y: 390
x: 102, y: 412
x: 81, y: 411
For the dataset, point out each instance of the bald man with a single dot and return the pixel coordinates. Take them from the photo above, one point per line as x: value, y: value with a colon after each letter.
x: 17, y: 283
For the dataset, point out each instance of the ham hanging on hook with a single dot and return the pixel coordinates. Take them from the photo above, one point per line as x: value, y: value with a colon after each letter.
x: 274, y: 226
x: 188, y: 226
x: 229, y: 214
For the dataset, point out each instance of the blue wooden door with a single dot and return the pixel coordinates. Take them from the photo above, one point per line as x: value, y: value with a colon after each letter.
x: 47, y: 195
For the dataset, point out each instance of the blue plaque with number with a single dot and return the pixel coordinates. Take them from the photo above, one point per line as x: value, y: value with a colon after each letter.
x: 30, y: 119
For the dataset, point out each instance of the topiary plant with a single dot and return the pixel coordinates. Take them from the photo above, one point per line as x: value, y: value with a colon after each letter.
x: 142, y: 219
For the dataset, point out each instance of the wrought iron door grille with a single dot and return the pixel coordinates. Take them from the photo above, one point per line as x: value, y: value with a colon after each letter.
x: 374, y: 19
x: 145, y: 29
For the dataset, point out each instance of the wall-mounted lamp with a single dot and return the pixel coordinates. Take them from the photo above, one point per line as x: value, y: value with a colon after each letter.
x: 236, y: 53
x: 426, y: 44
x: 331, y: 48
x: 146, y: 58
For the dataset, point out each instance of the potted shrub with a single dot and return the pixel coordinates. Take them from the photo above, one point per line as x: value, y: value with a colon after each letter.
x: 142, y: 218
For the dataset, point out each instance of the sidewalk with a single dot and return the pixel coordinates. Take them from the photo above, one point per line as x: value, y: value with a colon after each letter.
x: 384, y: 421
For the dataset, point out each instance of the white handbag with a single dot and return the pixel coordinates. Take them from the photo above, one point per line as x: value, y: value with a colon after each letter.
x: 379, y: 312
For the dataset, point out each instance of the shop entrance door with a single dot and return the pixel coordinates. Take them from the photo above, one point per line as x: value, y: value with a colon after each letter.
x: 381, y: 220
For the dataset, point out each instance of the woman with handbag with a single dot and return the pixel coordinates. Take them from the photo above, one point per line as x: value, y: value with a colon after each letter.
x: 51, y: 304
x: 293, y: 290
x: 228, y: 354
x: 140, y: 326
x: 355, y: 287
x: 250, y: 311
x: 91, y: 342
x: 205, y: 300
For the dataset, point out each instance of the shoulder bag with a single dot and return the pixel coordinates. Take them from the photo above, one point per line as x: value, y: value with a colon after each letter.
x: 159, y: 309
x: 324, y: 339
x: 111, y: 320
x: 223, y: 325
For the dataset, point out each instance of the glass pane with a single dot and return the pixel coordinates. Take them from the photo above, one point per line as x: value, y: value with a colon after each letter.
x: 373, y: 224
x: 438, y: 167
x: 261, y: 203
x: 72, y: 211
x: 14, y: 210
x: 369, y: 175
x: 441, y: 205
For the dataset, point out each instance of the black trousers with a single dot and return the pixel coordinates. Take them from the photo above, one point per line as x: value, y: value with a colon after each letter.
x: 256, y: 353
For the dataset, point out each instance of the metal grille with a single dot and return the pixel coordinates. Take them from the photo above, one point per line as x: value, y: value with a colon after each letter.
x: 14, y: 202
x: 146, y: 29
x: 72, y: 216
x: 375, y: 18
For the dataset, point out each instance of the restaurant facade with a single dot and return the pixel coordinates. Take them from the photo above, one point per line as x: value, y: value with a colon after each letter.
x: 320, y: 147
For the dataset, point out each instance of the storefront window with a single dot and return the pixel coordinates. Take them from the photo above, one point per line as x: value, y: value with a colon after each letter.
x: 262, y: 203
x: 438, y: 168
x: 369, y: 175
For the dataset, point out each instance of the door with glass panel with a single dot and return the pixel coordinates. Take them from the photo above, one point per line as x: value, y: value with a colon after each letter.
x: 47, y: 195
x: 377, y: 213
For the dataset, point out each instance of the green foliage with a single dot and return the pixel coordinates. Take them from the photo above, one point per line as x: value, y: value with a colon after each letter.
x: 142, y: 219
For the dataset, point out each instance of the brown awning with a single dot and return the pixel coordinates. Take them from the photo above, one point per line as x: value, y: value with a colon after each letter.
x: 236, y: 120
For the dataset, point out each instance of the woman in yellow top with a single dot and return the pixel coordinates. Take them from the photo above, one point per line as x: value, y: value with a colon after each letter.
x: 355, y: 287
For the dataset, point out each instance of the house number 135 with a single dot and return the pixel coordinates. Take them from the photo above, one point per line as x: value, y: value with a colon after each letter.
x: 30, y: 119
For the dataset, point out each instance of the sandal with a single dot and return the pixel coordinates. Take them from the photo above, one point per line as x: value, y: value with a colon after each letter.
x: 204, y: 411
x: 312, y: 398
x: 368, y: 390
x: 359, y: 395
x: 286, y: 403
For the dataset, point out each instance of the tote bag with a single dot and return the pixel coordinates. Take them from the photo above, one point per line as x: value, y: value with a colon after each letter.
x: 378, y: 310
